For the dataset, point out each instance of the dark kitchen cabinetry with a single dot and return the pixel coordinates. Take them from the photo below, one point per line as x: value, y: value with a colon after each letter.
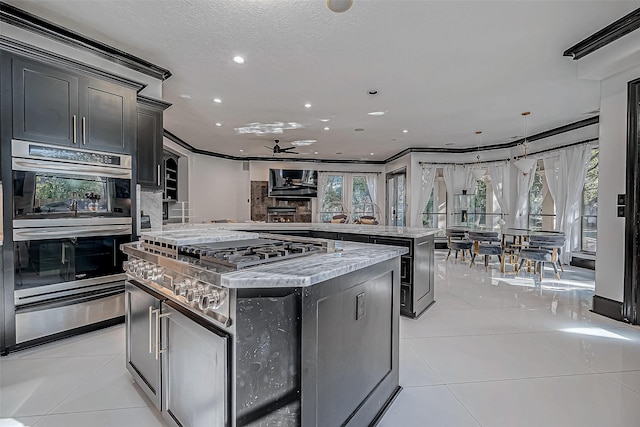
x: 150, y: 154
x: 416, y: 267
x: 179, y: 361
x: 142, y: 334
x: 60, y: 106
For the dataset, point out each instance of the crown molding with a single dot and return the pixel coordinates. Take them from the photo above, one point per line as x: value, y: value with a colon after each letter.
x: 19, y: 18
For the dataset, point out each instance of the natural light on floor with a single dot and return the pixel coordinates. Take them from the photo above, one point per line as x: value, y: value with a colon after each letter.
x: 595, y: 332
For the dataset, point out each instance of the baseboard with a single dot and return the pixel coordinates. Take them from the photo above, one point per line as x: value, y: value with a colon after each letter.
x: 607, y: 307
x: 583, y: 263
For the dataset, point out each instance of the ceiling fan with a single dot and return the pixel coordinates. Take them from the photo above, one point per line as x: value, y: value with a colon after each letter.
x: 277, y: 150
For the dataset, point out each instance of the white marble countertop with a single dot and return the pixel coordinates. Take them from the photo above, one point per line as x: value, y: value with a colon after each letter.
x: 312, y: 269
x: 374, y: 230
x: 192, y: 235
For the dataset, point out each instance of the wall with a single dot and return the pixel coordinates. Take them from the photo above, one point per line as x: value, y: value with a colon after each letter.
x: 611, y: 182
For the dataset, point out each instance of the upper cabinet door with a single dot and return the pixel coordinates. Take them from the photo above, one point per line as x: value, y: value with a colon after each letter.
x: 45, y: 103
x: 149, y: 148
x: 107, y: 116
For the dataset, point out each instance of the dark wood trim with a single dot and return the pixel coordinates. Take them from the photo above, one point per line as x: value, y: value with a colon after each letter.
x: 608, y: 34
x: 35, y: 53
x: 546, y: 134
x: 608, y: 308
x: 19, y: 18
x: 152, y: 102
x: 632, y: 209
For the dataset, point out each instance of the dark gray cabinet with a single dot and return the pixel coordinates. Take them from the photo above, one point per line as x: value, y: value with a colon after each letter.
x: 149, y: 143
x: 195, y: 381
x: 142, y: 335
x: 416, y: 267
x: 45, y: 103
x: 60, y: 106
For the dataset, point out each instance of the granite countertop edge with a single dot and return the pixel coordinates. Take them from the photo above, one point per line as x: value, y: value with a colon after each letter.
x: 314, y: 269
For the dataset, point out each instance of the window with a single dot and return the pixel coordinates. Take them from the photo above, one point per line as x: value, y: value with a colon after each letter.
x: 589, y: 229
x: 430, y: 213
x: 361, y: 202
x: 542, y: 209
x: 333, y: 198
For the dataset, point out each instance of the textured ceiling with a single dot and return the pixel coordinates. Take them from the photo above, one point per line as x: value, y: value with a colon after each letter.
x: 442, y: 69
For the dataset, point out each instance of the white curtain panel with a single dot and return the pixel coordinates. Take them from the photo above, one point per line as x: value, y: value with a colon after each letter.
x: 427, y: 180
x: 499, y: 177
x: 576, y: 160
x: 372, y: 186
x: 470, y: 182
x: 323, y: 182
x: 524, y: 184
x: 556, y: 181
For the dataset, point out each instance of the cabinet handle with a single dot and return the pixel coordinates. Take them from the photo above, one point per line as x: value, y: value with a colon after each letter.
x: 151, y: 311
x: 158, y: 316
x: 84, y: 131
x: 64, y: 255
x: 158, y: 174
x: 75, y: 129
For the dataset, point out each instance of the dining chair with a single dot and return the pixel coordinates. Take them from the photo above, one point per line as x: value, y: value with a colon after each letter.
x: 542, y: 249
x: 485, y: 245
x: 457, y: 241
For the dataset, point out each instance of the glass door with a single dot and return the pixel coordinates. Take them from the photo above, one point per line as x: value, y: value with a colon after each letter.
x: 396, y: 200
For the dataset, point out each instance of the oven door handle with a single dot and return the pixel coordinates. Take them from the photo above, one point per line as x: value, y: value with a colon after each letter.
x: 69, y: 168
x: 69, y: 232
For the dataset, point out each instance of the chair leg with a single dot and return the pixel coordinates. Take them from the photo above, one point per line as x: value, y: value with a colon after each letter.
x: 520, y: 267
x: 448, y: 253
x: 541, y: 267
x: 560, y: 264
x: 486, y: 262
x: 473, y: 258
x: 556, y: 270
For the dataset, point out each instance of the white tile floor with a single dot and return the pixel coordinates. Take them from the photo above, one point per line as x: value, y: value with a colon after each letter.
x: 494, y: 351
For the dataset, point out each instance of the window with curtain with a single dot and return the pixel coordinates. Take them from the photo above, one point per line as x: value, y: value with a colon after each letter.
x: 589, y: 212
x: 332, y: 204
x: 542, y: 214
x: 361, y: 202
x: 430, y: 213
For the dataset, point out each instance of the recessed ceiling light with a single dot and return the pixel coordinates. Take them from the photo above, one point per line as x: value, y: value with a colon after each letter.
x: 326, y: 128
x: 338, y: 153
x: 376, y: 113
x: 218, y: 124
x: 405, y: 131
x: 371, y: 154
x: 324, y: 120
x: 217, y: 100
x: 238, y: 59
x: 359, y: 130
x: 315, y: 152
x: 373, y: 92
x: 185, y: 96
x: 242, y: 151
x: 307, y: 105
x: 450, y: 143
x: 303, y: 142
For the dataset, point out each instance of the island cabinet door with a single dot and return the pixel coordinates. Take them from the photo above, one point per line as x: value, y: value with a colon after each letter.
x: 143, y: 357
x: 195, y: 375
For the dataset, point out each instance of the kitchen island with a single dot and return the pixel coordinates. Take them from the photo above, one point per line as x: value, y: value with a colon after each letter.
x: 416, y: 267
x: 309, y: 340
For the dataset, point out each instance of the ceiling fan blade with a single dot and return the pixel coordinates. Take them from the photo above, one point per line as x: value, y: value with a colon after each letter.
x: 270, y: 148
x: 287, y: 148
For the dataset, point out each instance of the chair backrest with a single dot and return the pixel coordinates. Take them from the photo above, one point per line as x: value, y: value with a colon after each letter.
x: 484, y: 236
x: 547, y: 241
x: 454, y: 234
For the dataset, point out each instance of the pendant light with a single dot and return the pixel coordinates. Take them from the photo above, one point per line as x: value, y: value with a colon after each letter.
x: 339, y: 6
x: 524, y: 164
x: 478, y: 172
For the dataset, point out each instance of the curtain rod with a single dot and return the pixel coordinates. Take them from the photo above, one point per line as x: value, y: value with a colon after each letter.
x: 355, y: 172
x: 587, y: 141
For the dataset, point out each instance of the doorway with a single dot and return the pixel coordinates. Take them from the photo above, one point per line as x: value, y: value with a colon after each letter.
x: 396, y: 198
x: 631, y: 304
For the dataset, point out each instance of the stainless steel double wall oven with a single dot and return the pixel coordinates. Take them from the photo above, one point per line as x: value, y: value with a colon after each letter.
x: 71, y: 212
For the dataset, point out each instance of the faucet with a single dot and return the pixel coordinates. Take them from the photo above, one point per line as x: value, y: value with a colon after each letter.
x: 73, y: 207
